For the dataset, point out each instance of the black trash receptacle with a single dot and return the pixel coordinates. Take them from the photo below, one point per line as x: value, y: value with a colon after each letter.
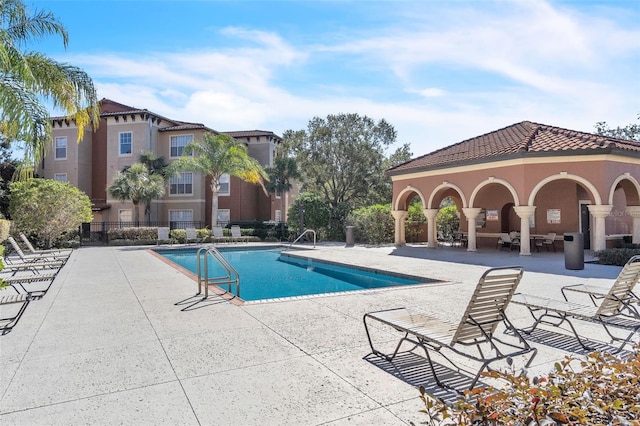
x: 574, y: 250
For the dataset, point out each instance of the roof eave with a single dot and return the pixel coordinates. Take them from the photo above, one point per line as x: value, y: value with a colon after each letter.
x: 517, y: 155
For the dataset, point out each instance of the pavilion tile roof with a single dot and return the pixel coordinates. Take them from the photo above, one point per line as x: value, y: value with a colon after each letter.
x: 518, y: 140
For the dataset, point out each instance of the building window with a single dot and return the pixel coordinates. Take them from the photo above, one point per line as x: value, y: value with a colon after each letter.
x: 125, y: 216
x: 223, y: 217
x: 60, y: 177
x: 278, y: 216
x: 178, y: 143
x: 61, y: 148
x: 126, y: 143
x: 182, y: 184
x: 180, y: 219
x: 225, y: 184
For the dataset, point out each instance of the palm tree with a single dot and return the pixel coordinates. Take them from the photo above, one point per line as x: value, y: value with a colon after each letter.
x: 285, y: 169
x: 155, y: 165
x: 214, y: 156
x: 138, y: 185
x: 29, y: 79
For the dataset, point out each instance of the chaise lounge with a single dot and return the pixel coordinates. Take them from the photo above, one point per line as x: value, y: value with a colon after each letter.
x: 474, y: 337
x: 614, y: 312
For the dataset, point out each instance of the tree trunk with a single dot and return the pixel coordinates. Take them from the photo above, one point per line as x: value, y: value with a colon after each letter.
x: 215, y: 189
x: 136, y: 214
x: 214, y: 208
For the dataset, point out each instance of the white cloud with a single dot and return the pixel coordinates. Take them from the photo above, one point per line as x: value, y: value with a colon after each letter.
x: 532, y: 61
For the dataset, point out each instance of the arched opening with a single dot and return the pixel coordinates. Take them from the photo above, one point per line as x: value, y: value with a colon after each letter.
x: 506, y: 219
x: 448, y: 220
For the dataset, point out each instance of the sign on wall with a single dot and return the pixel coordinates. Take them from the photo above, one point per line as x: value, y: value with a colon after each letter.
x: 553, y: 216
x: 492, y: 215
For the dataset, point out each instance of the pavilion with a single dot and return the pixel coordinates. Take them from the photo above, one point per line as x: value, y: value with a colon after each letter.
x: 531, y: 178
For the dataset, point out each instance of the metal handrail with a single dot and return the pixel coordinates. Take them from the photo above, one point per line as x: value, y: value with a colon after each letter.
x: 305, y: 232
x: 232, y: 276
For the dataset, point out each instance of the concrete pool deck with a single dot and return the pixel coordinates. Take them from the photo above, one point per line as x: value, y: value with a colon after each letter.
x: 108, y: 344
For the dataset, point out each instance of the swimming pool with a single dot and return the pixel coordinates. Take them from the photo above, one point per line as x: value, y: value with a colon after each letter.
x: 271, y: 274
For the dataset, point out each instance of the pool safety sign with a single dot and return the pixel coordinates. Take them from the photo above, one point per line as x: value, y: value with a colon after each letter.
x: 553, y: 216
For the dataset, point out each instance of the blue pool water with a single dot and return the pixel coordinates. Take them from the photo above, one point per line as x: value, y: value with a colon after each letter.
x: 268, y: 274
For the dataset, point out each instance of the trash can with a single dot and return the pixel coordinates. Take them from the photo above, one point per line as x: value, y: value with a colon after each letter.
x: 574, y: 250
x: 350, y: 238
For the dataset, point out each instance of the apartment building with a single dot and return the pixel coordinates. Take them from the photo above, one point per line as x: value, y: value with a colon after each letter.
x: 126, y: 132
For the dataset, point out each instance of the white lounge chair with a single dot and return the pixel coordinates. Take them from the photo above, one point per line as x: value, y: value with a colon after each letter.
x: 52, y: 259
x: 33, y: 250
x: 164, y: 235
x: 614, y: 312
x: 236, y: 234
x: 218, y: 235
x: 476, y: 329
x: 192, y: 235
x: 11, y: 296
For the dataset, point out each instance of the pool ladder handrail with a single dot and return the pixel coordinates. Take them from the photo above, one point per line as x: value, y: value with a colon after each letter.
x: 305, y: 232
x: 232, y: 276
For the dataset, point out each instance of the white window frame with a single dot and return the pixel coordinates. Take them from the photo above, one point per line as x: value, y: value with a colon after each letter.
x: 125, y: 154
x: 184, y: 178
x: 225, y: 179
x: 181, y: 212
x: 226, y: 214
x: 60, y: 177
x: 179, y: 142
x: 61, y: 139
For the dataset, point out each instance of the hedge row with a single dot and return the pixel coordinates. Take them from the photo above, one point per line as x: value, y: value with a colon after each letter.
x: 618, y: 256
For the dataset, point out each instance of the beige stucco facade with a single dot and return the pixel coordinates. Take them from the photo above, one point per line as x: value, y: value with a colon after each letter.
x: 92, y: 164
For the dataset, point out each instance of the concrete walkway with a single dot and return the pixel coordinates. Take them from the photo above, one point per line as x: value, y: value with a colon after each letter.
x: 108, y: 345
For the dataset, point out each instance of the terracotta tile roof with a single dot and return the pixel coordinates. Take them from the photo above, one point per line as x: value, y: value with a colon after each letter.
x: 252, y: 133
x: 180, y: 125
x: 109, y: 108
x: 518, y: 140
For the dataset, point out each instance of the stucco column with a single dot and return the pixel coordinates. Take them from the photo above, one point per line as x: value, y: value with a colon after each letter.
x: 400, y: 216
x: 431, y: 214
x: 599, y: 212
x: 471, y: 213
x: 525, y: 213
x: 634, y: 211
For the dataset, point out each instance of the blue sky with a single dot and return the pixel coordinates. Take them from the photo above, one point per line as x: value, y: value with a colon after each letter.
x: 438, y: 71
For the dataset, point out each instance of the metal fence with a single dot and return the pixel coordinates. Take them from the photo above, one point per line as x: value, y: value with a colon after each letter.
x: 96, y: 232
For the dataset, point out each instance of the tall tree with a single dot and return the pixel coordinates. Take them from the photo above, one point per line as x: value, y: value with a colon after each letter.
x: 630, y: 132
x: 214, y: 156
x: 280, y: 175
x: 48, y: 208
x: 29, y: 79
x: 138, y: 185
x: 342, y: 157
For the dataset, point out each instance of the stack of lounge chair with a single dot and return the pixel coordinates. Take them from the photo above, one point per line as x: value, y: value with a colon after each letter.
x: 27, y: 277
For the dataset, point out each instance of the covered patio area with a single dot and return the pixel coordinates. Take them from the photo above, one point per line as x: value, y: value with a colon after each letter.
x: 532, y: 179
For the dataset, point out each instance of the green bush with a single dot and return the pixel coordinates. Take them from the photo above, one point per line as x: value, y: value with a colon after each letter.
x: 133, y: 234
x: 601, y: 390
x: 617, y: 257
x: 373, y: 224
x: 316, y: 215
x: 47, y: 208
x: 179, y: 235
